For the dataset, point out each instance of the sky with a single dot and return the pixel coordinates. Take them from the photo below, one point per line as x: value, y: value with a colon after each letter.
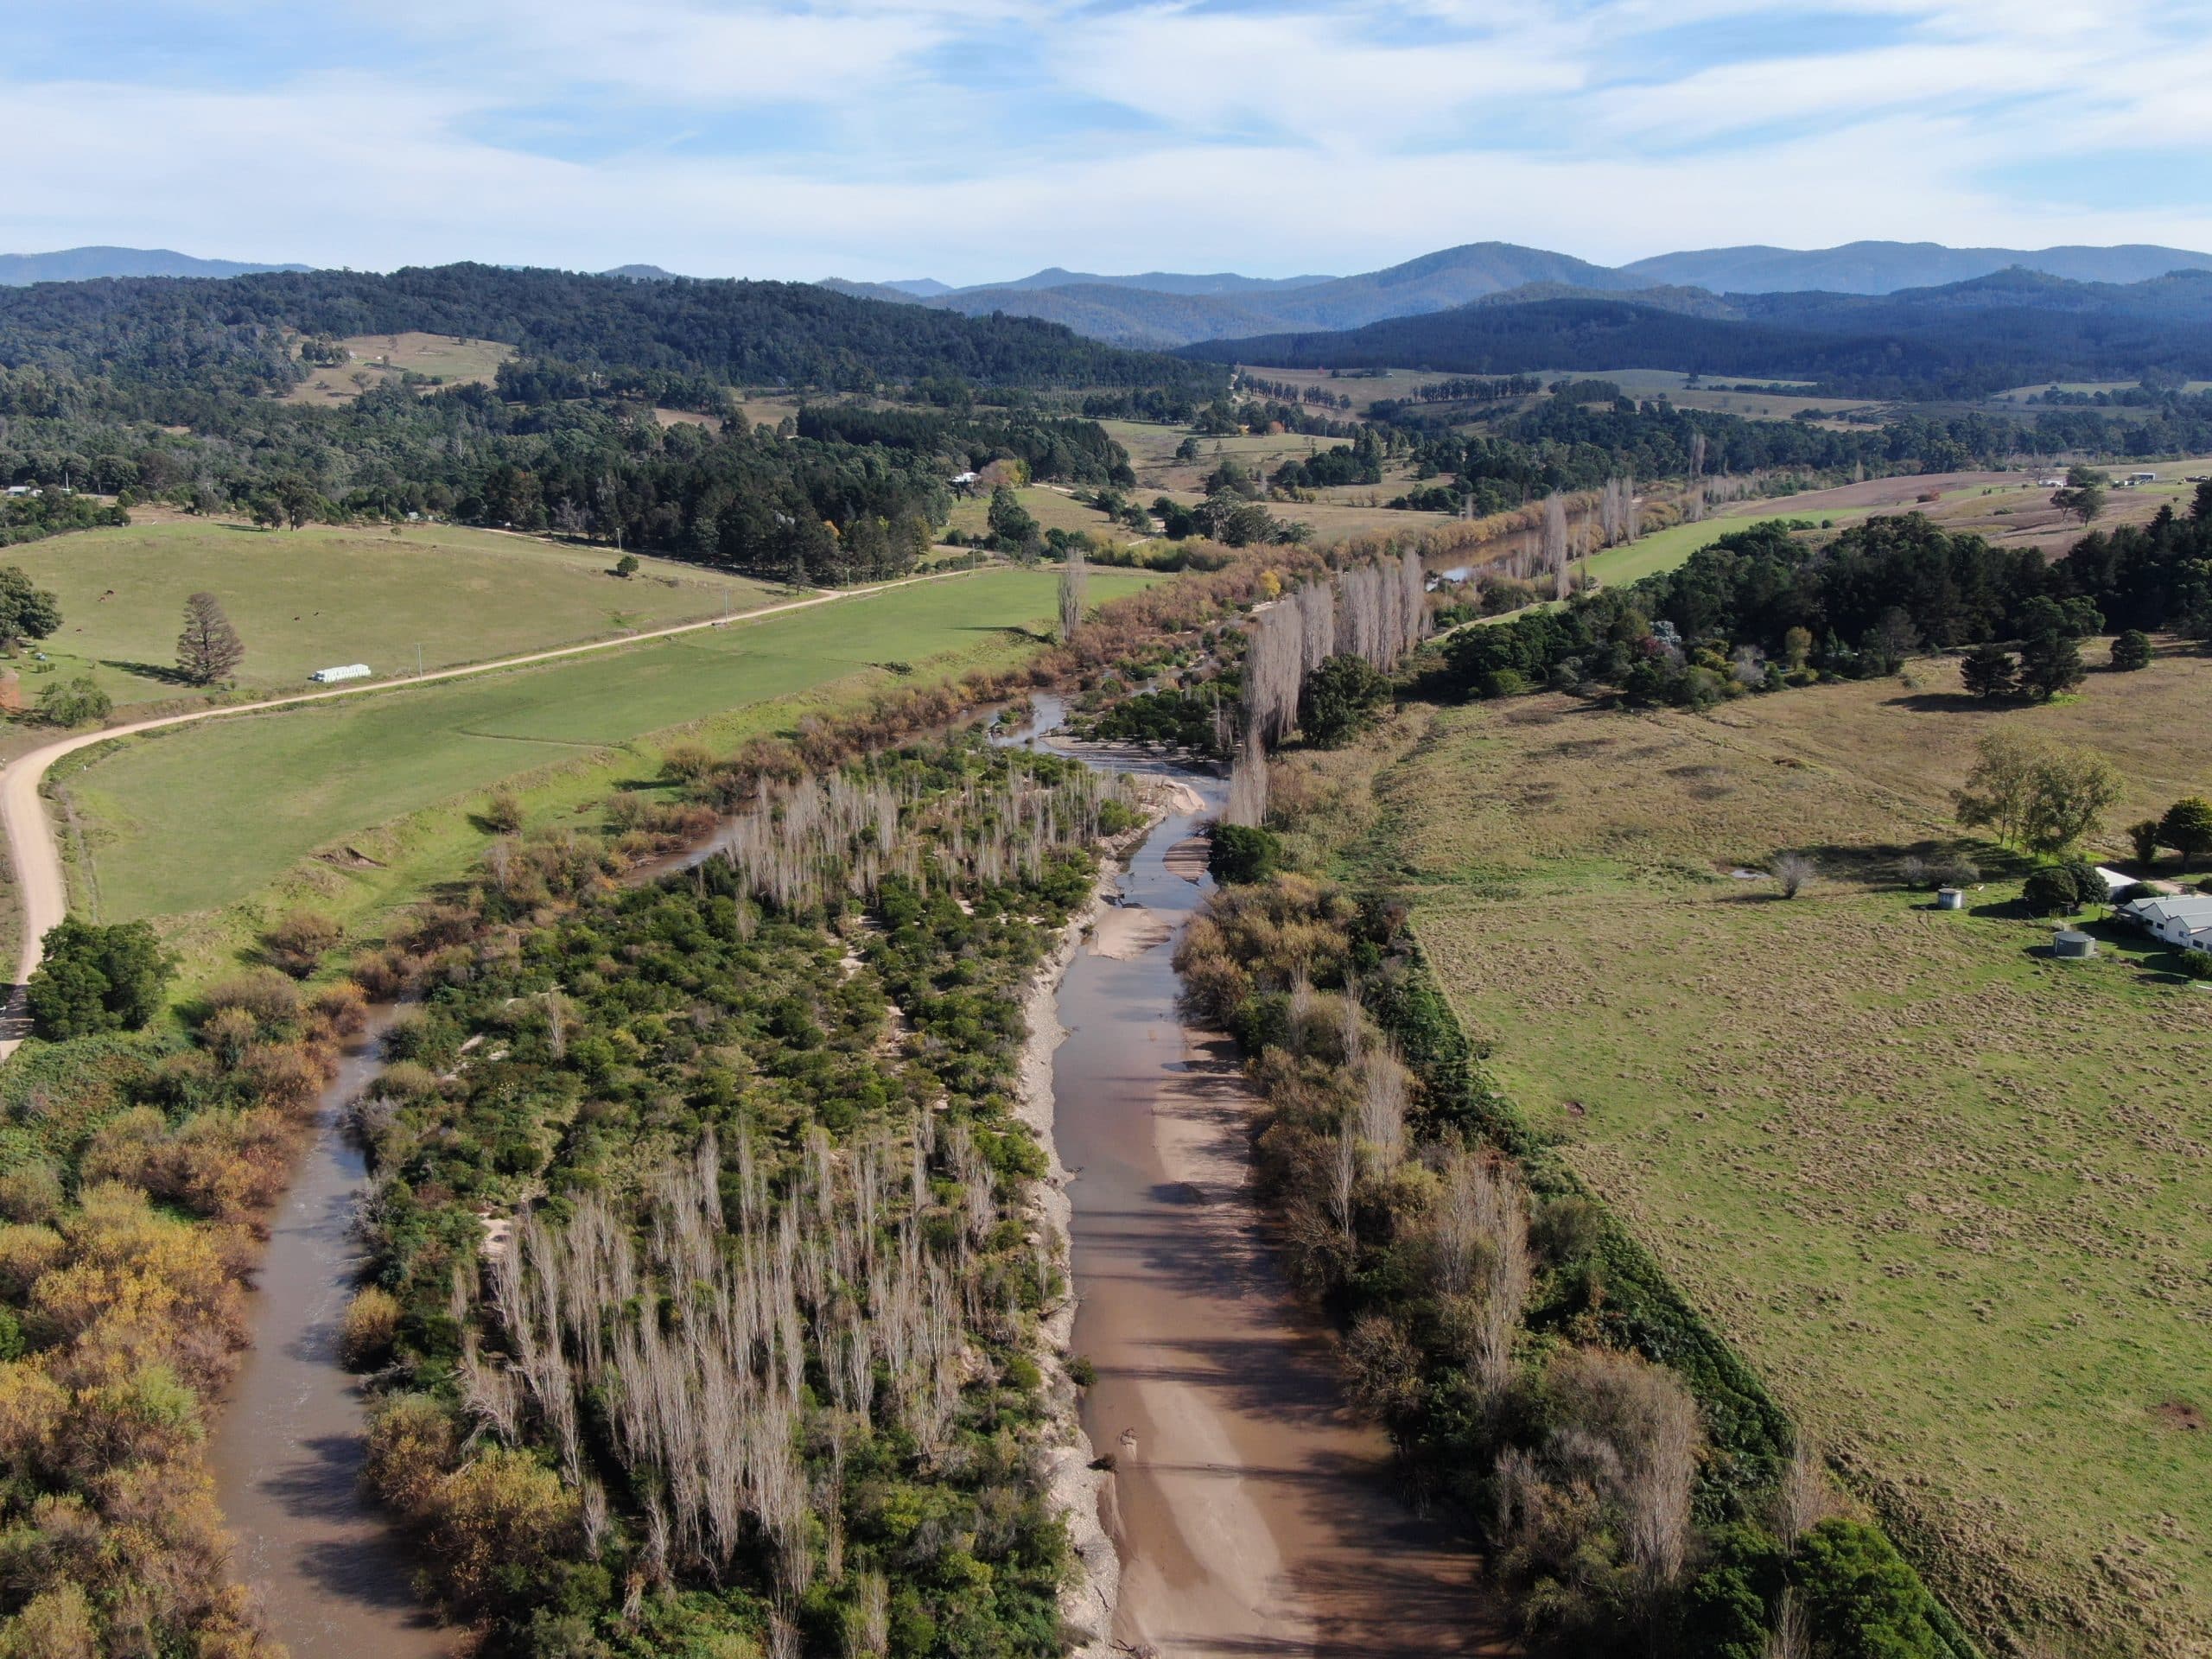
x: 973, y: 140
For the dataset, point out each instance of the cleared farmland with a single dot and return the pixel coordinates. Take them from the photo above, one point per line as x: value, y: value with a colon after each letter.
x: 442, y: 359
x: 304, y: 600
x: 210, y: 815
x: 1945, y: 1192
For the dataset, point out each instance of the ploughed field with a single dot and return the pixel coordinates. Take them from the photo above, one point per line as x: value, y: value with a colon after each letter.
x: 1947, y: 1194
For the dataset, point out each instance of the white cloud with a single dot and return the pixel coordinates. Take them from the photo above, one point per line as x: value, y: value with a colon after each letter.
x: 964, y: 138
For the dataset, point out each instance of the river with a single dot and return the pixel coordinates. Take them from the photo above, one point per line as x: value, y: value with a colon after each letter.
x: 1252, y: 1513
x: 332, y: 1575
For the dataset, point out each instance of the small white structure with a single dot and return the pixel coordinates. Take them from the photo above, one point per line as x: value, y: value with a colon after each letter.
x: 23, y: 489
x: 1950, y: 899
x: 2114, y: 882
x: 332, y: 676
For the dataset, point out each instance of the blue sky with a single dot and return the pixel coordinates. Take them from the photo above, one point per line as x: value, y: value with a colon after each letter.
x: 974, y: 139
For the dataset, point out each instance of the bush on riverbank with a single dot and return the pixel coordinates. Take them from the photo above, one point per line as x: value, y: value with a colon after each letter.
x: 134, y: 1173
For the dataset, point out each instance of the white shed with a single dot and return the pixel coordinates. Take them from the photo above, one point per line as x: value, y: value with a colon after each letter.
x: 332, y: 676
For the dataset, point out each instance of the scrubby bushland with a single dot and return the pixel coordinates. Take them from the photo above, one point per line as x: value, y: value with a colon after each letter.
x: 1762, y: 608
x: 134, y: 1172
x: 754, y: 1362
x: 1635, y: 1482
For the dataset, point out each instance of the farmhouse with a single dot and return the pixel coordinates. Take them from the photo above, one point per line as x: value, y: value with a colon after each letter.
x: 2185, y: 921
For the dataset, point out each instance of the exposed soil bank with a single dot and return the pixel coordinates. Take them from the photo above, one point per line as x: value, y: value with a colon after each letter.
x: 1251, y: 1512
x: 332, y: 1577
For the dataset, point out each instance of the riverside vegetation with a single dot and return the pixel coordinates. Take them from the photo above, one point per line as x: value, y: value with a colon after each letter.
x: 857, y: 1013
x: 755, y: 1366
x: 1635, y: 1479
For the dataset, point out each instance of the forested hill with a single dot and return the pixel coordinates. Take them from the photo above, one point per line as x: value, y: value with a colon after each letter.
x: 235, y: 331
x: 1967, y: 338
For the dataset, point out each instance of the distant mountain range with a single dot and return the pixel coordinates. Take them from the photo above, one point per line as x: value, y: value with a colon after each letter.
x: 79, y: 264
x: 1164, y: 309
x: 2010, y: 327
x: 1887, y: 267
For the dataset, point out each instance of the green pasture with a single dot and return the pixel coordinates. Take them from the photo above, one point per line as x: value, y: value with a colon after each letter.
x: 327, y: 595
x: 207, y: 816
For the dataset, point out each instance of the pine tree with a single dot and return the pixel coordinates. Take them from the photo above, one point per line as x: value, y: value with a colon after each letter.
x: 209, y: 649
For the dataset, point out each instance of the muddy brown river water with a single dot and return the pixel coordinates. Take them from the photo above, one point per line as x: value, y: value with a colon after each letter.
x: 1252, y: 1512
x: 331, y: 1574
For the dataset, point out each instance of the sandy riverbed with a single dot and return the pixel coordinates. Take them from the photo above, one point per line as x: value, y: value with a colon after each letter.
x: 1250, y: 1512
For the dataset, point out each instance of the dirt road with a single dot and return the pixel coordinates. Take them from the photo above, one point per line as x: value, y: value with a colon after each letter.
x: 35, y: 854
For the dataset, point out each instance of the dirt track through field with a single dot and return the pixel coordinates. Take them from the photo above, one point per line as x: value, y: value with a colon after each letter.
x: 35, y: 854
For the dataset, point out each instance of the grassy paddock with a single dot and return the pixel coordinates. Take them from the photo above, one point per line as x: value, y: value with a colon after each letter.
x: 307, y: 599
x: 196, y: 825
x: 380, y: 357
x: 1941, y: 1190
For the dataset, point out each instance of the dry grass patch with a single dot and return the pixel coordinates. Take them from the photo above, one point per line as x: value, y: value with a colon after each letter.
x: 447, y: 359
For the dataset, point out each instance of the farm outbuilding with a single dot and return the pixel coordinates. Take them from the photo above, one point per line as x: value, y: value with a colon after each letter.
x: 332, y: 676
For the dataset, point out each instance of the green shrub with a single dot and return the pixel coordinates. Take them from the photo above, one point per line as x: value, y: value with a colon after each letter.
x: 2198, y: 964
x: 98, y: 978
x: 2132, y: 651
x: 1504, y: 683
x: 2051, y: 891
x: 1242, y: 854
x: 1862, y: 1601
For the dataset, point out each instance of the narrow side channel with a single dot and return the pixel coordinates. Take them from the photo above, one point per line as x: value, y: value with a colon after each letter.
x: 332, y: 1576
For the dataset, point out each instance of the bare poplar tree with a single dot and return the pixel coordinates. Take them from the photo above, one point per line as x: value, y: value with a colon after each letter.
x: 1247, y: 783
x: 1554, y: 542
x: 1074, y: 579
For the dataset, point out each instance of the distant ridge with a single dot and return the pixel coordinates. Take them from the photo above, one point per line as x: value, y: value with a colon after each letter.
x: 641, y: 273
x: 1164, y: 309
x: 1170, y: 309
x: 1890, y: 267
x: 84, y: 264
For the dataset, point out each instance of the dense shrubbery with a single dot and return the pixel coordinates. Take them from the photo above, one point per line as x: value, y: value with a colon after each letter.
x: 133, y: 1172
x: 774, y: 1088
x: 26, y: 518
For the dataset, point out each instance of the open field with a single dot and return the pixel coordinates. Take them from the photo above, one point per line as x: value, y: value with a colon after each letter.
x: 1152, y: 453
x: 1999, y: 507
x: 378, y: 357
x: 208, y: 815
x: 1052, y: 509
x: 1776, y: 400
x: 1363, y: 389
x: 2021, y: 394
x: 1944, y: 1191
x: 308, y: 599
